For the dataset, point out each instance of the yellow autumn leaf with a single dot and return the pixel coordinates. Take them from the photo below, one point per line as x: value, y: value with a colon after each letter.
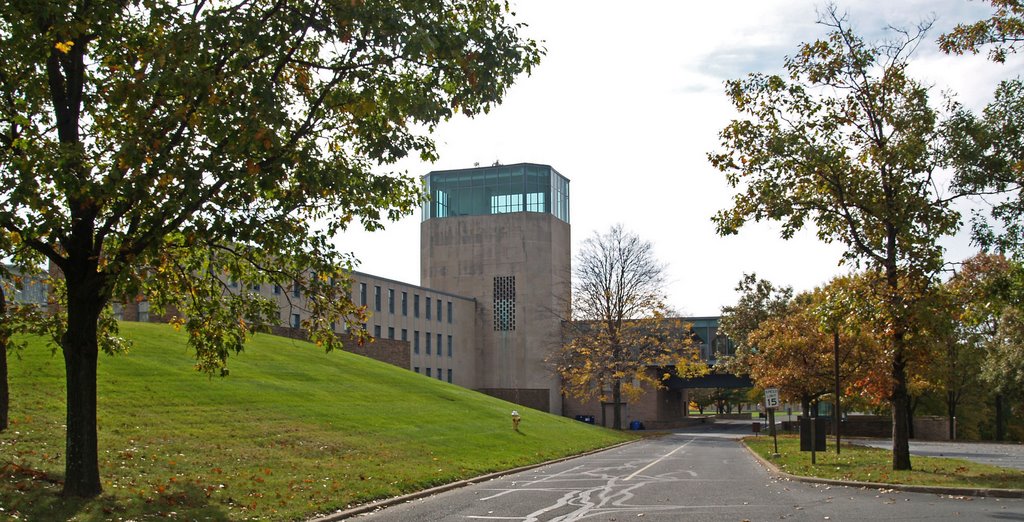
x: 64, y: 47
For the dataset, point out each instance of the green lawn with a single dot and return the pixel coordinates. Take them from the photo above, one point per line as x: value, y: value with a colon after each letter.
x: 864, y: 464
x: 290, y: 433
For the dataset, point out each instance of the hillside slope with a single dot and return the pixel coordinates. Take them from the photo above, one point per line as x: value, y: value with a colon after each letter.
x: 291, y: 432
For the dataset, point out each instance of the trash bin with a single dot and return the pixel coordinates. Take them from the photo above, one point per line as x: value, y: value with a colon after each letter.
x: 636, y: 425
x: 820, y: 427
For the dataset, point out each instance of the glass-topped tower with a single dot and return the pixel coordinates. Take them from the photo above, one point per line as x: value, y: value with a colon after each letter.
x: 500, y: 189
x: 501, y: 235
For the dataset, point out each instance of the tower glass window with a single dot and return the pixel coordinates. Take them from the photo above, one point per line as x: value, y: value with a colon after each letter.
x: 500, y: 189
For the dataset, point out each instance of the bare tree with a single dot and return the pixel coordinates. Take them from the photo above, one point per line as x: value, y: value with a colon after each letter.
x: 621, y: 336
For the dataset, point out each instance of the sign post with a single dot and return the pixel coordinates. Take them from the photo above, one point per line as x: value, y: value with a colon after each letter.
x: 771, y: 401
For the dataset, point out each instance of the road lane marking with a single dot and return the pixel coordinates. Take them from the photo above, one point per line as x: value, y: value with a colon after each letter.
x: 517, y: 487
x: 663, y: 457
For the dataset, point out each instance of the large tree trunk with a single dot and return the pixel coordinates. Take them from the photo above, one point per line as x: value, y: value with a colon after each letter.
x: 81, y: 350
x: 617, y: 406
x: 911, y: 411
x: 951, y: 413
x: 999, y: 417
x: 899, y: 398
x: 5, y: 397
x: 900, y: 410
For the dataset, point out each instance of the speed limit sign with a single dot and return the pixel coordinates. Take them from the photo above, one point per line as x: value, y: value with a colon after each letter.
x: 771, y: 398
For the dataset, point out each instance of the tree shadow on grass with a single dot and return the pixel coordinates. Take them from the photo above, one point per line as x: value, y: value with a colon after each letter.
x: 30, y: 494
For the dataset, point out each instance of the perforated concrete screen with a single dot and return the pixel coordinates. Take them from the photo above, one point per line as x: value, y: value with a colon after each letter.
x: 504, y: 303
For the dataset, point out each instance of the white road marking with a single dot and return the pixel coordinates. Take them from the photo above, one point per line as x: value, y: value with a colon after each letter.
x: 527, y: 484
x: 663, y: 457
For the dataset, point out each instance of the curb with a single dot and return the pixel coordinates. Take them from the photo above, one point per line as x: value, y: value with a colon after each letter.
x: 387, y: 502
x: 938, y: 490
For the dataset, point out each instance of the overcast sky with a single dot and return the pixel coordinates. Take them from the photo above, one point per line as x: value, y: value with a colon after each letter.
x: 626, y: 104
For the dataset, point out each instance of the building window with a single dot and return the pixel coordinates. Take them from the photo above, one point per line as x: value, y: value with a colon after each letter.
x: 449, y: 346
x: 428, y: 308
x: 504, y: 203
x: 405, y: 303
x: 334, y: 328
x: 295, y: 321
x: 391, y: 332
x: 376, y: 298
x: 416, y: 305
x: 449, y: 312
x: 376, y: 331
x: 391, y: 300
x: 362, y: 294
x: 438, y: 345
x: 439, y: 375
x: 449, y: 375
x: 296, y: 290
x: 416, y: 342
x: 428, y: 336
x: 277, y: 289
x: 255, y: 287
x: 405, y: 334
x: 439, y: 310
x: 504, y: 303
x: 416, y: 369
x: 428, y: 372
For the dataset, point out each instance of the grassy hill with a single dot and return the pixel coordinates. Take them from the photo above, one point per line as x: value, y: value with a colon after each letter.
x: 290, y: 433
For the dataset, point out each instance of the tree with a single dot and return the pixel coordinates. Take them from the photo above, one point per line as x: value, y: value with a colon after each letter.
x: 987, y: 152
x: 702, y: 398
x: 166, y: 148
x: 846, y: 141
x: 1004, y: 32
x: 987, y: 155
x: 795, y: 350
x: 988, y: 290
x: 759, y: 300
x: 15, y: 317
x: 620, y: 338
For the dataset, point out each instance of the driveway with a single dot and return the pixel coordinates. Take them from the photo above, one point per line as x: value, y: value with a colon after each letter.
x: 699, y: 474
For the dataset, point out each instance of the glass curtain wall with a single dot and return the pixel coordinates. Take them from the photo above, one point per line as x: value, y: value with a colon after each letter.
x: 497, y: 190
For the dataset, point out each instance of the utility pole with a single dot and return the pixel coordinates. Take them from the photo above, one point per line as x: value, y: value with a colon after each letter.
x: 835, y: 410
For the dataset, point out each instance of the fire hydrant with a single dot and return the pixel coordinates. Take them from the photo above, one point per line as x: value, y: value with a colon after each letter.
x: 515, y: 420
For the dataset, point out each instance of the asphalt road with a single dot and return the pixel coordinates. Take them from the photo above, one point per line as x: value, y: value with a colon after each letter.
x: 997, y: 454
x: 703, y: 474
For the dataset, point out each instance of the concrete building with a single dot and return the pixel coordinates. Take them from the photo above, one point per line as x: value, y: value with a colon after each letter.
x: 501, y: 235
x: 495, y: 287
x: 21, y: 289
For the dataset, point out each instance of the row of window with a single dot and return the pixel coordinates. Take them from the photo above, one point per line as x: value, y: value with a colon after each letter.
x: 428, y: 337
x: 427, y: 344
x: 429, y: 373
x: 377, y: 302
x: 278, y: 290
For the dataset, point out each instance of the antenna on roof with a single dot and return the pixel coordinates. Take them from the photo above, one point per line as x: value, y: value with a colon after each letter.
x: 497, y: 163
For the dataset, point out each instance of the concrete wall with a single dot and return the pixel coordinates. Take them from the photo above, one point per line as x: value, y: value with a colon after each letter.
x: 656, y: 409
x: 385, y: 350
x: 927, y: 427
x: 463, y: 255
